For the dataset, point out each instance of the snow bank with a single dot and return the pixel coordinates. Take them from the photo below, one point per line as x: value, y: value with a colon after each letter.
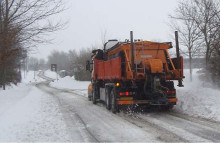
x: 27, y: 78
x: 27, y: 114
x: 72, y: 84
x: 10, y: 97
x: 31, y: 77
x: 197, y: 100
x: 51, y: 74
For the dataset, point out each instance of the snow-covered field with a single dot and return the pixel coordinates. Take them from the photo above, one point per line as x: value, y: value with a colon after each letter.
x: 28, y: 114
x: 197, y: 100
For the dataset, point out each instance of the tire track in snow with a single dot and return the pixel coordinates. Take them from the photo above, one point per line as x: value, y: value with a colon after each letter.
x: 85, y: 133
x: 72, y: 119
x: 170, y: 123
x: 205, y: 122
x: 162, y: 134
x: 191, y: 131
x: 174, y: 133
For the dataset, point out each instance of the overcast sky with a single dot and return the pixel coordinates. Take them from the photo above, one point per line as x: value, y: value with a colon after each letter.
x: 88, y: 20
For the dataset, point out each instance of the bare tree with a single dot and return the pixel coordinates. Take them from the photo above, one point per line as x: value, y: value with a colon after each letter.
x: 207, y: 19
x: 189, y: 33
x: 72, y: 60
x: 31, y: 18
x: 206, y: 14
x: 23, y: 24
x: 83, y: 56
x: 201, y: 16
x: 59, y: 58
x: 215, y: 60
x: 103, y: 37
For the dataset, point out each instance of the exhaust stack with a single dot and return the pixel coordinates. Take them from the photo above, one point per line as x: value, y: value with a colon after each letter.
x: 180, y: 83
x: 132, y: 50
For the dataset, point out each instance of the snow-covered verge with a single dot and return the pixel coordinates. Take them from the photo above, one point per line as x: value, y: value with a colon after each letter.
x: 51, y: 74
x: 28, y: 114
x: 27, y: 78
x: 31, y: 77
x: 197, y: 100
x: 72, y: 84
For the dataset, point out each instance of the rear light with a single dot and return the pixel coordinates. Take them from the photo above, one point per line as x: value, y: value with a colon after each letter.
x: 126, y: 93
x: 170, y: 91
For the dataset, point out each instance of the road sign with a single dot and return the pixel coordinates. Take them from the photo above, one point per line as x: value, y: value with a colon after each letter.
x: 54, y: 67
x: 75, y: 69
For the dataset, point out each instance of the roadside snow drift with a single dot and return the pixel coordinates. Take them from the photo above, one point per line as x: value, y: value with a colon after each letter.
x: 71, y: 84
x: 31, y: 77
x: 51, y: 74
x: 197, y: 100
x: 27, y: 114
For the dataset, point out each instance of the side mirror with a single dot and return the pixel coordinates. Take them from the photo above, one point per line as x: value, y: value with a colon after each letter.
x: 87, y: 65
x: 94, y: 51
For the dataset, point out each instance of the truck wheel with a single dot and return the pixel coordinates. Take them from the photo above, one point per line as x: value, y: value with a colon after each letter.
x: 90, y: 98
x: 107, y: 98
x: 113, y: 100
x: 94, y: 92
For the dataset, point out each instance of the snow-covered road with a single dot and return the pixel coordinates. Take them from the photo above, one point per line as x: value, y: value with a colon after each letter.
x: 46, y: 111
x: 88, y: 122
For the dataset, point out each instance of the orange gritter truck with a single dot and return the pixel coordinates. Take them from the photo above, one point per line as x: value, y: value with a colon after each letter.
x: 135, y: 72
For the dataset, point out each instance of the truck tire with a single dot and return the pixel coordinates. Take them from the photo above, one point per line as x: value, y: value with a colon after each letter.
x: 113, y: 101
x: 93, y: 96
x: 107, y: 98
x: 94, y: 93
x: 90, y: 98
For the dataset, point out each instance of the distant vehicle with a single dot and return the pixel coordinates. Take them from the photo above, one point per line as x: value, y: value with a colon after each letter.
x: 135, y: 72
x: 63, y: 73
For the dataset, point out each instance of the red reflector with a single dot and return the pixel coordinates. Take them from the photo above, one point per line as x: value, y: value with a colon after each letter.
x: 173, y: 100
x: 127, y: 93
x: 125, y: 102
